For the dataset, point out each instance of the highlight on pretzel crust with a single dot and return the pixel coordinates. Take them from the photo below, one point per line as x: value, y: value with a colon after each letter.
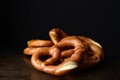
x: 96, y: 43
x: 67, y: 66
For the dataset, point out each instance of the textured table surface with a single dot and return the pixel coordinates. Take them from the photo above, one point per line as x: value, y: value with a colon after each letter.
x: 14, y: 65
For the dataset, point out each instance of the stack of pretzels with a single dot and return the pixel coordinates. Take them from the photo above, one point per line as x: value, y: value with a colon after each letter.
x: 63, y: 53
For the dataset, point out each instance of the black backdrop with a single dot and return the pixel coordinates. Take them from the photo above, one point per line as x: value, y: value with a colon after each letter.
x: 24, y: 20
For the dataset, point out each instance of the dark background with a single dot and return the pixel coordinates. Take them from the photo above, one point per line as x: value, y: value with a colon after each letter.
x: 23, y: 20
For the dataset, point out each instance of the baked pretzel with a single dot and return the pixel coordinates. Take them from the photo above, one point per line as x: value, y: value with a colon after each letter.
x: 67, y: 65
x: 35, y: 44
x: 93, y: 54
x: 71, y: 51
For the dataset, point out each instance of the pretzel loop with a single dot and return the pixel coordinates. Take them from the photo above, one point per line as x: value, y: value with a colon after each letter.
x: 55, y: 51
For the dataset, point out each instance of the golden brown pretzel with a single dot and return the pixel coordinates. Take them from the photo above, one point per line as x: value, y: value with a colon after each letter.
x: 67, y: 65
x: 47, y: 66
x: 71, y: 51
x: 35, y: 44
x: 93, y: 54
x: 94, y: 51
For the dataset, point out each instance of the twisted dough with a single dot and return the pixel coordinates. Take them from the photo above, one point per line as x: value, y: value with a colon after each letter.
x: 35, y: 44
x: 74, y: 43
x: 93, y: 54
x: 67, y: 65
x: 56, y: 35
x: 70, y: 51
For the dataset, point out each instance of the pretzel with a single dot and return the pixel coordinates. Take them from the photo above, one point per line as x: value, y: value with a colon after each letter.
x: 34, y: 45
x: 67, y: 65
x: 94, y: 53
x: 95, y: 49
x: 70, y: 52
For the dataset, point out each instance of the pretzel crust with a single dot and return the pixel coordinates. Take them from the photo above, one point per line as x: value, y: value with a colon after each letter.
x: 39, y: 43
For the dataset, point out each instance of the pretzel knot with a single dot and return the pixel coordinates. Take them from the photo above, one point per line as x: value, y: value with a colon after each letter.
x: 63, y: 53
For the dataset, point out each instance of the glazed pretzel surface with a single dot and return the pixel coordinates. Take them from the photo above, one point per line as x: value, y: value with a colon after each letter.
x: 66, y: 53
